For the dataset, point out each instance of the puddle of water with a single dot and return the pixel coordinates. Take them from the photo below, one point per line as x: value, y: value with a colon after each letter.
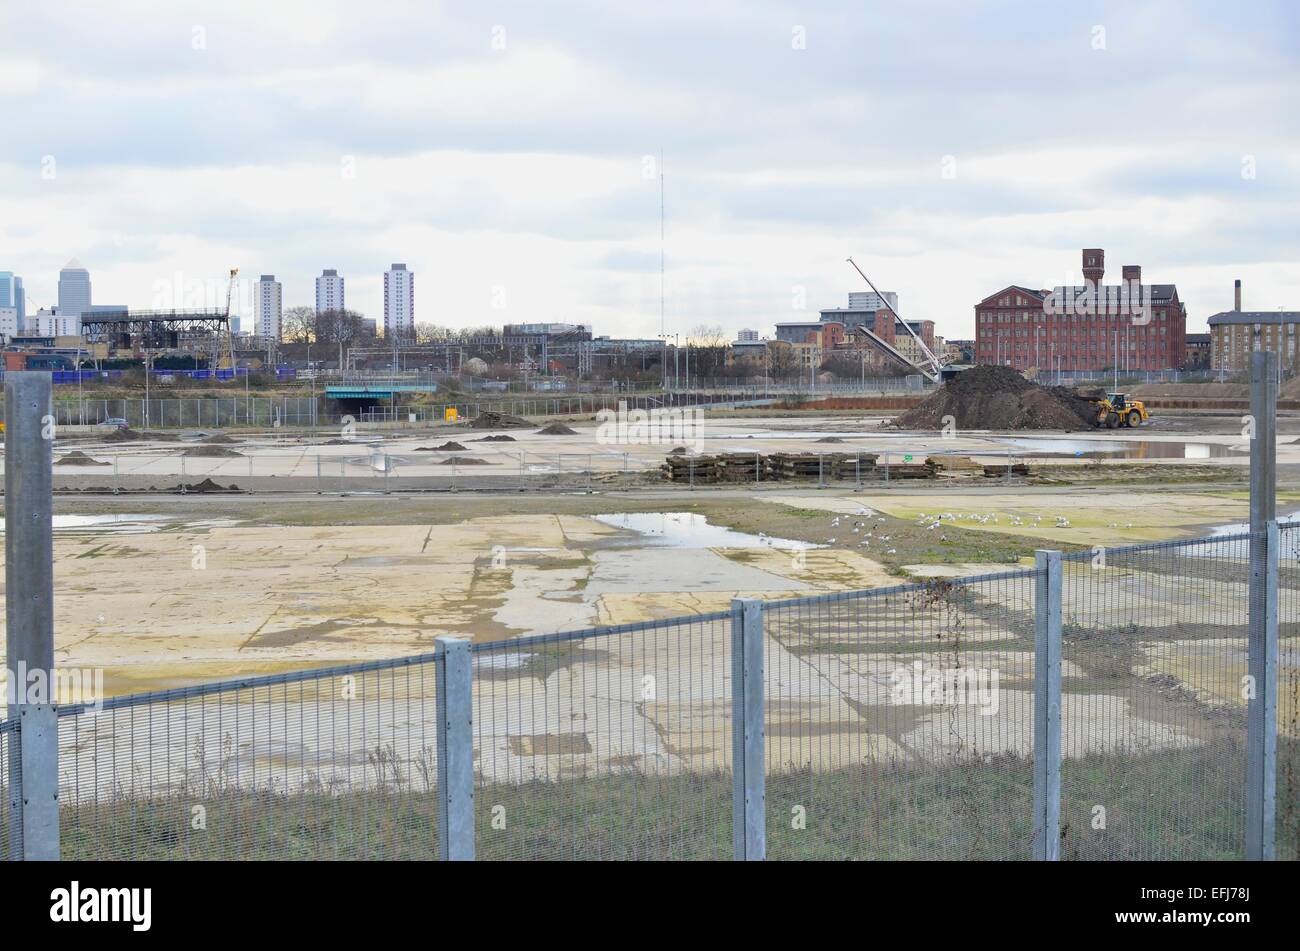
x: 1119, y: 449
x: 1234, y: 528
x: 810, y: 434
x: 691, y: 530
x: 106, y: 524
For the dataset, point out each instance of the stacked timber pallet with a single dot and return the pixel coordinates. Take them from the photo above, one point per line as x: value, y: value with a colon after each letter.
x: 743, y: 467
x: 953, y: 464
x: 906, y: 470
x: 859, y: 465
x: 1001, y: 470
x: 740, y: 467
x: 692, y: 469
x: 803, y: 465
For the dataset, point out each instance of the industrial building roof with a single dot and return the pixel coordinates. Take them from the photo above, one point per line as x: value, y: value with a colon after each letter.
x: 1255, y: 317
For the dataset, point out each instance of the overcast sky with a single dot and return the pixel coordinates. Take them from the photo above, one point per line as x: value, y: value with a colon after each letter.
x: 506, y: 152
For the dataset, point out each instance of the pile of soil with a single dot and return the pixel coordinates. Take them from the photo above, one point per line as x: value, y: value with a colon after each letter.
x: 207, y: 485
x: 464, y: 461
x: 501, y: 438
x: 557, y: 429
x: 992, y: 397
x: 678, y: 451
x: 210, y: 452
x: 445, y: 447
x: 491, y: 420
x: 79, y: 458
x: 830, y: 439
x: 220, y: 439
x: 122, y: 435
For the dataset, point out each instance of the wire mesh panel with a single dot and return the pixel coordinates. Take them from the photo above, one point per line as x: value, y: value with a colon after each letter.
x: 336, y: 764
x: 900, y: 722
x: 613, y: 744
x: 1153, y: 720
x: 9, y: 837
x: 1288, y: 689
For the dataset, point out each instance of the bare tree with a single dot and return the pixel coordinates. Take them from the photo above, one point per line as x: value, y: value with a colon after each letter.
x: 298, y: 325
x: 782, y: 360
x: 342, y: 328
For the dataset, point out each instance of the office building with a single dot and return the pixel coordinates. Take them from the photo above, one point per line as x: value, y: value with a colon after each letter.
x: 74, y: 289
x: 399, y: 301
x: 267, y: 306
x: 329, y: 292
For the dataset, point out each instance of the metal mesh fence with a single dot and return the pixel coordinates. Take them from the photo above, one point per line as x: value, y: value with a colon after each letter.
x: 900, y: 722
x: 333, y: 764
x: 1288, y: 689
x: 9, y: 773
x: 272, y: 464
x: 1153, y: 721
x: 607, y: 745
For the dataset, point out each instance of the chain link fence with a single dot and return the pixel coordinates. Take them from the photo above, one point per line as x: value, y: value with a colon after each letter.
x: 1154, y: 657
x: 899, y: 722
x: 606, y: 744
x: 1288, y: 705
x: 909, y: 722
x: 337, y: 763
x: 11, y: 780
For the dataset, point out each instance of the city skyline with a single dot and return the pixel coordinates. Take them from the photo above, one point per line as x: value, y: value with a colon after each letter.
x: 785, y: 150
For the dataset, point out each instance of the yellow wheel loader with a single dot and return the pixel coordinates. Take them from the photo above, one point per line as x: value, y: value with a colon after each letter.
x: 1118, y: 410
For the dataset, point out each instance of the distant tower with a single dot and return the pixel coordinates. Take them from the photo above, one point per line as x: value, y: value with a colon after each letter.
x: 1094, y: 265
x: 399, y: 301
x: 329, y: 291
x: 11, y: 295
x: 267, y: 307
x: 74, y: 289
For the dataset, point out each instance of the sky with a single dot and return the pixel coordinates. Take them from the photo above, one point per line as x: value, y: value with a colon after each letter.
x: 509, y: 153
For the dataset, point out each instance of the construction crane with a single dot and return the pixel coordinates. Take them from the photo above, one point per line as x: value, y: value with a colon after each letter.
x: 933, y: 374
x: 230, y: 337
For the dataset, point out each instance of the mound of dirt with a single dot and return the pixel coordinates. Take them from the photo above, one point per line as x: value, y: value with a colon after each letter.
x: 122, y: 435
x: 207, y: 485
x: 501, y: 438
x: 79, y: 458
x: 557, y: 429
x: 445, y: 447
x: 210, y: 452
x: 464, y: 461
x: 134, y: 435
x: 221, y: 439
x: 830, y: 439
x: 991, y: 397
x: 491, y: 420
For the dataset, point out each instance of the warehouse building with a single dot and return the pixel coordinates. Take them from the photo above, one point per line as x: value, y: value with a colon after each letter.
x: 1236, y: 334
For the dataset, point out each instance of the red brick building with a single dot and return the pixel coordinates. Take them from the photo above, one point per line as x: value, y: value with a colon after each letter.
x: 1095, y: 326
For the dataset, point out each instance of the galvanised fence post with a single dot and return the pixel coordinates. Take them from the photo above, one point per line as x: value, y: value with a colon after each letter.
x: 1047, y: 707
x: 455, y: 712
x: 29, y: 616
x: 1261, y: 704
x: 748, y: 795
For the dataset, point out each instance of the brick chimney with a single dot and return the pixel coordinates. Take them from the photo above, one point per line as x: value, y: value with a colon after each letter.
x: 1132, y: 272
x: 1236, y: 295
x: 1094, y: 265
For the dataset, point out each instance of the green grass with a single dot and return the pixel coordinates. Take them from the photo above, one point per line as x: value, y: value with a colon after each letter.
x: 1178, y: 805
